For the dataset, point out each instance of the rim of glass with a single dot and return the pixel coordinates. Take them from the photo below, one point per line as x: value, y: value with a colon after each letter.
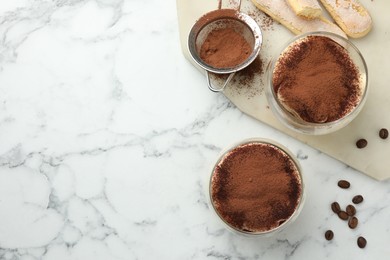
x: 297, y: 165
x: 299, y: 120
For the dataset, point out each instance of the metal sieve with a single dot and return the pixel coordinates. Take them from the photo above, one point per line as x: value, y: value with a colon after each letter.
x: 220, y: 19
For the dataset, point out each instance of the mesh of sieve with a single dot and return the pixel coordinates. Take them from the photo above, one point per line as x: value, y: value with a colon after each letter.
x: 220, y: 19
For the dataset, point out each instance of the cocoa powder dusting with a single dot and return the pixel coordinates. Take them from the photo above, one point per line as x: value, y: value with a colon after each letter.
x: 245, y: 76
x: 256, y: 187
x: 224, y: 48
x: 262, y: 19
x: 317, y: 80
x: 244, y: 82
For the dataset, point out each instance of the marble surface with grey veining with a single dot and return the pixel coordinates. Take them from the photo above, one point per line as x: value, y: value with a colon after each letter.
x: 108, y: 137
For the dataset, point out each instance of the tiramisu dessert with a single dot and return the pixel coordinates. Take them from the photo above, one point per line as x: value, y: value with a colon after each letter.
x: 316, y: 80
x: 256, y: 187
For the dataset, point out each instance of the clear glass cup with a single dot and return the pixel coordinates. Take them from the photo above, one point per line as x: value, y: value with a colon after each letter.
x: 301, y: 199
x: 299, y: 125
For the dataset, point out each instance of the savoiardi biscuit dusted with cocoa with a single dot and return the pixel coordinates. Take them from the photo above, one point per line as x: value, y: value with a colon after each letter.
x: 280, y: 11
x: 309, y: 9
x: 350, y: 15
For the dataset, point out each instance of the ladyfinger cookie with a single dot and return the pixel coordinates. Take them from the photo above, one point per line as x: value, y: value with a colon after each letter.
x: 308, y: 9
x: 350, y: 15
x: 281, y: 12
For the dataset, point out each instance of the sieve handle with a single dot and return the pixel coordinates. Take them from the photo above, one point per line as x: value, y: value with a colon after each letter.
x: 212, y: 88
x: 238, y: 5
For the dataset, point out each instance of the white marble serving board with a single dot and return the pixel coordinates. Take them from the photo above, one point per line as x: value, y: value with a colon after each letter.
x: 372, y: 160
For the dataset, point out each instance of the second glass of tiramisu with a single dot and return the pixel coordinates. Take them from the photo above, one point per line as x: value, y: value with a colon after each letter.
x: 317, y: 83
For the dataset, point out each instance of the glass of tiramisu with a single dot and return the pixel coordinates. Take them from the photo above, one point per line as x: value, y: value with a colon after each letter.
x: 256, y: 187
x: 317, y: 83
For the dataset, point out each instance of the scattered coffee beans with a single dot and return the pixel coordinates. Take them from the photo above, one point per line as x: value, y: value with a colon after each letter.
x: 344, y: 184
x: 361, y: 143
x: 357, y: 199
x: 335, y: 207
x: 353, y: 222
x: 329, y: 235
x: 362, y: 242
x: 351, y: 210
x: 383, y: 133
x: 349, y: 213
x: 343, y: 215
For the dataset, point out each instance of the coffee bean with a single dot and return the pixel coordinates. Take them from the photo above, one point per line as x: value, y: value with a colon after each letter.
x: 353, y: 222
x: 383, y: 133
x: 361, y: 143
x: 329, y: 235
x: 351, y: 210
x: 362, y: 242
x: 343, y: 215
x: 344, y: 184
x: 335, y: 207
x: 357, y: 199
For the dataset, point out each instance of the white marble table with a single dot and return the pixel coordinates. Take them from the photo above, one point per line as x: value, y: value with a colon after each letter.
x: 108, y: 136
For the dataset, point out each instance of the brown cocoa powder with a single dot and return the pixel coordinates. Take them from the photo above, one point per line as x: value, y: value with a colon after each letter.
x: 244, y: 82
x: 317, y: 79
x: 245, y: 79
x: 245, y: 76
x: 256, y: 187
x: 224, y: 48
x: 265, y: 22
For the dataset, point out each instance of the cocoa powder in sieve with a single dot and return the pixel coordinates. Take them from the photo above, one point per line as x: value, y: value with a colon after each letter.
x: 317, y: 79
x: 225, y: 48
x: 256, y: 187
